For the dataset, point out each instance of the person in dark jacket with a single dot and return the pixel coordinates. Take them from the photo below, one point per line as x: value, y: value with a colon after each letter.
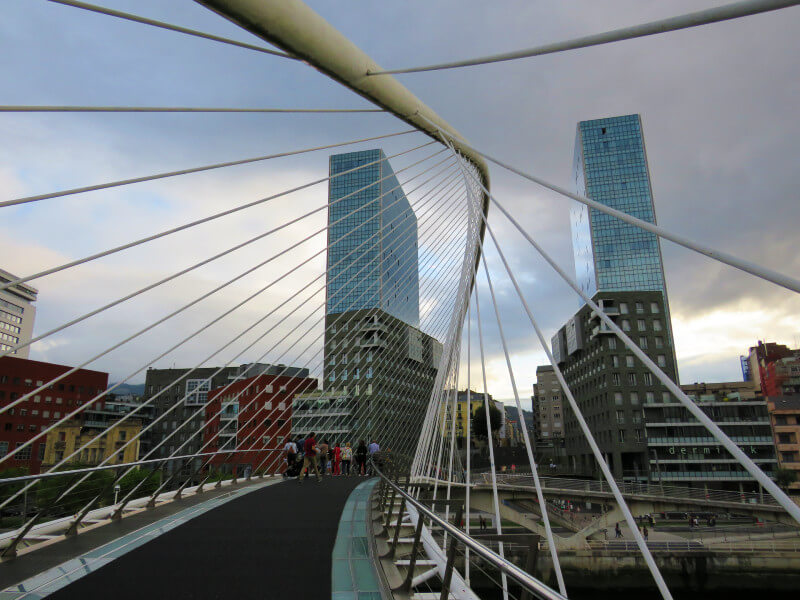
x: 361, y: 458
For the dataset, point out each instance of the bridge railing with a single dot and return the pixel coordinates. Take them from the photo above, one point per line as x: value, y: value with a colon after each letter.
x: 633, y: 488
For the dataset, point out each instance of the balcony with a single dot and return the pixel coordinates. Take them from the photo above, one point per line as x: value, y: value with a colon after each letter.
x: 373, y: 342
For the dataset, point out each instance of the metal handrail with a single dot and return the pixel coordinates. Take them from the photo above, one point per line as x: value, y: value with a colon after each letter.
x: 527, y: 581
x: 128, y: 464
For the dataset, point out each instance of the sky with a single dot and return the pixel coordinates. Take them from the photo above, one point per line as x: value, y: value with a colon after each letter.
x: 719, y: 110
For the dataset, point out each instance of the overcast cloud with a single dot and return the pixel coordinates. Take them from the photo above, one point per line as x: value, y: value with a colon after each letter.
x: 718, y: 103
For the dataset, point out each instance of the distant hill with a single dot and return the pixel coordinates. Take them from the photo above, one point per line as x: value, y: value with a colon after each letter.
x: 129, y: 388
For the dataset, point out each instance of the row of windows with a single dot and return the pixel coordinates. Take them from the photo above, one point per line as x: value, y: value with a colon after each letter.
x: 12, y: 307
x: 9, y: 327
x: 9, y: 317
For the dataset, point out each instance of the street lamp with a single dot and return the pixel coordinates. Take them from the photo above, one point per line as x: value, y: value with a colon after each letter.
x: 116, y: 493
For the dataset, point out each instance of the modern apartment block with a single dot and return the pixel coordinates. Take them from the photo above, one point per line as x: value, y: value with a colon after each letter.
x: 170, y: 434
x: 609, y: 383
x: 681, y: 450
x: 17, y: 314
x: 379, y: 366
x: 379, y: 375
x: 547, y: 406
x: 252, y: 415
x: 19, y: 377
x: 610, y: 167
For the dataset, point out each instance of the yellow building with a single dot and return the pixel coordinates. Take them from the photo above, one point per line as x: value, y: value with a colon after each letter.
x: 462, y: 412
x: 68, y: 437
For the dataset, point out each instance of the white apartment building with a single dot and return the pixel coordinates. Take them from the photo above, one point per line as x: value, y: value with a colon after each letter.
x: 17, y: 314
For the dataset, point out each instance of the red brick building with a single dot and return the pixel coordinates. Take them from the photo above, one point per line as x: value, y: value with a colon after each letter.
x: 776, y: 368
x: 252, y: 413
x: 18, y: 377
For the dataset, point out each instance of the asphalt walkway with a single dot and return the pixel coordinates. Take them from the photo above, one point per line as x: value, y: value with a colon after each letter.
x: 272, y: 543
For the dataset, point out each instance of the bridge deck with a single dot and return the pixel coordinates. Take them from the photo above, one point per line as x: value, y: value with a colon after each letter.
x: 274, y: 542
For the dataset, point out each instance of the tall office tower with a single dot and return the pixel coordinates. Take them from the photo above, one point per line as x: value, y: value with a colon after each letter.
x: 610, y: 167
x: 17, y: 314
x: 379, y: 367
x: 374, y: 249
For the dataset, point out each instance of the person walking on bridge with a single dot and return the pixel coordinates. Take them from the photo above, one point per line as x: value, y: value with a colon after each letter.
x: 337, y: 459
x: 310, y: 458
x: 347, y: 457
x: 361, y: 458
x: 374, y: 455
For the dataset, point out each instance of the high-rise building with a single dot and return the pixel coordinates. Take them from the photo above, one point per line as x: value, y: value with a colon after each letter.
x: 17, y: 314
x: 610, y: 167
x: 372, y: 254
x: 379, y: 366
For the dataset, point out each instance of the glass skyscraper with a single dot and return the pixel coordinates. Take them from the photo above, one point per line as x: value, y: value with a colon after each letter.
x: 610, y: 166
x: 383, y: 272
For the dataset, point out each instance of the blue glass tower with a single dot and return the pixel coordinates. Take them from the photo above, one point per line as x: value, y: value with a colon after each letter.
x: 610, y: 166
x: 383, y: 272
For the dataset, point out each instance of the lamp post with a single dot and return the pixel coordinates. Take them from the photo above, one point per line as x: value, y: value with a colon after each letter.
x: 116, y: 493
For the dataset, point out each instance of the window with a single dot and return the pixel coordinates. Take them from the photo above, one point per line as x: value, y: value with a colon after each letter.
x: 786, y: 438
x: 641, y: 325
x: 618, y: 398
x: 631, y: 378
x: 659, y: 342
x: 4, y: 448
x: 634, y: 398
x: 639, y: 435
x: 629, y: 362
x: 650, y: 397
x: 626, y: 325
x: 648, y: 379
x: 643, y: 343
x: 620, y: 417
x: 665, y: 397
x: 615, y: 361
x: 654, y: 308
x: 615, y: 379
x: 662, y: 360
x: 780, y: 419
x: 24, y: 454
x: 656, y: 324
x: 639, y: 308
x: 621, y: 436
x: 788, y: 457
x: 623, y: 308
x: 612, y: 343
x: 46, y: 414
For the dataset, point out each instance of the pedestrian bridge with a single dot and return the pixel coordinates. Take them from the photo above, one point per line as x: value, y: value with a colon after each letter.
x: 205, y: 512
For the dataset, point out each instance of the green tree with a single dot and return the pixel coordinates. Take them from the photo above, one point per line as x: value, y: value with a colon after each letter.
x: 49, y: 491
x: 785, y: 477
x: 479, y: 420
x: 132, y: 479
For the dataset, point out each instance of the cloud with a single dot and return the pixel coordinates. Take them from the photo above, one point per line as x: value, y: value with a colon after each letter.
x: 718, y: 105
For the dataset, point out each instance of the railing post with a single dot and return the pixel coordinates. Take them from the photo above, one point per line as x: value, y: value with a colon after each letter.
x: 396, y: 537
x: 412, y: 561
x: 451, y: 559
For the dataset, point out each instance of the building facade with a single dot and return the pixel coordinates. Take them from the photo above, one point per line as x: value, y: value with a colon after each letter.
x: 381, y: 370
x: 19, y: 377
x: 775, y: 368
x: 372, y: 239
x: 252, y: 414
x: 114, y: 444
x: 168, y: 399
x: 785, y: 418
x: 17, y: 314
x: 547, y: 406
x: 681, y: 450
x: 609, y: 383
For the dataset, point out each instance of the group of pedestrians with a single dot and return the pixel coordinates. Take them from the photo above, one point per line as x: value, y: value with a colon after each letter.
x: 305, y: 454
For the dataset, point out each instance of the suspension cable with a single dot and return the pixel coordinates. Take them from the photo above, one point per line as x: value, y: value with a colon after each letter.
x: 121, y: 182
x: 727, y: 12
x: 145, y: 21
